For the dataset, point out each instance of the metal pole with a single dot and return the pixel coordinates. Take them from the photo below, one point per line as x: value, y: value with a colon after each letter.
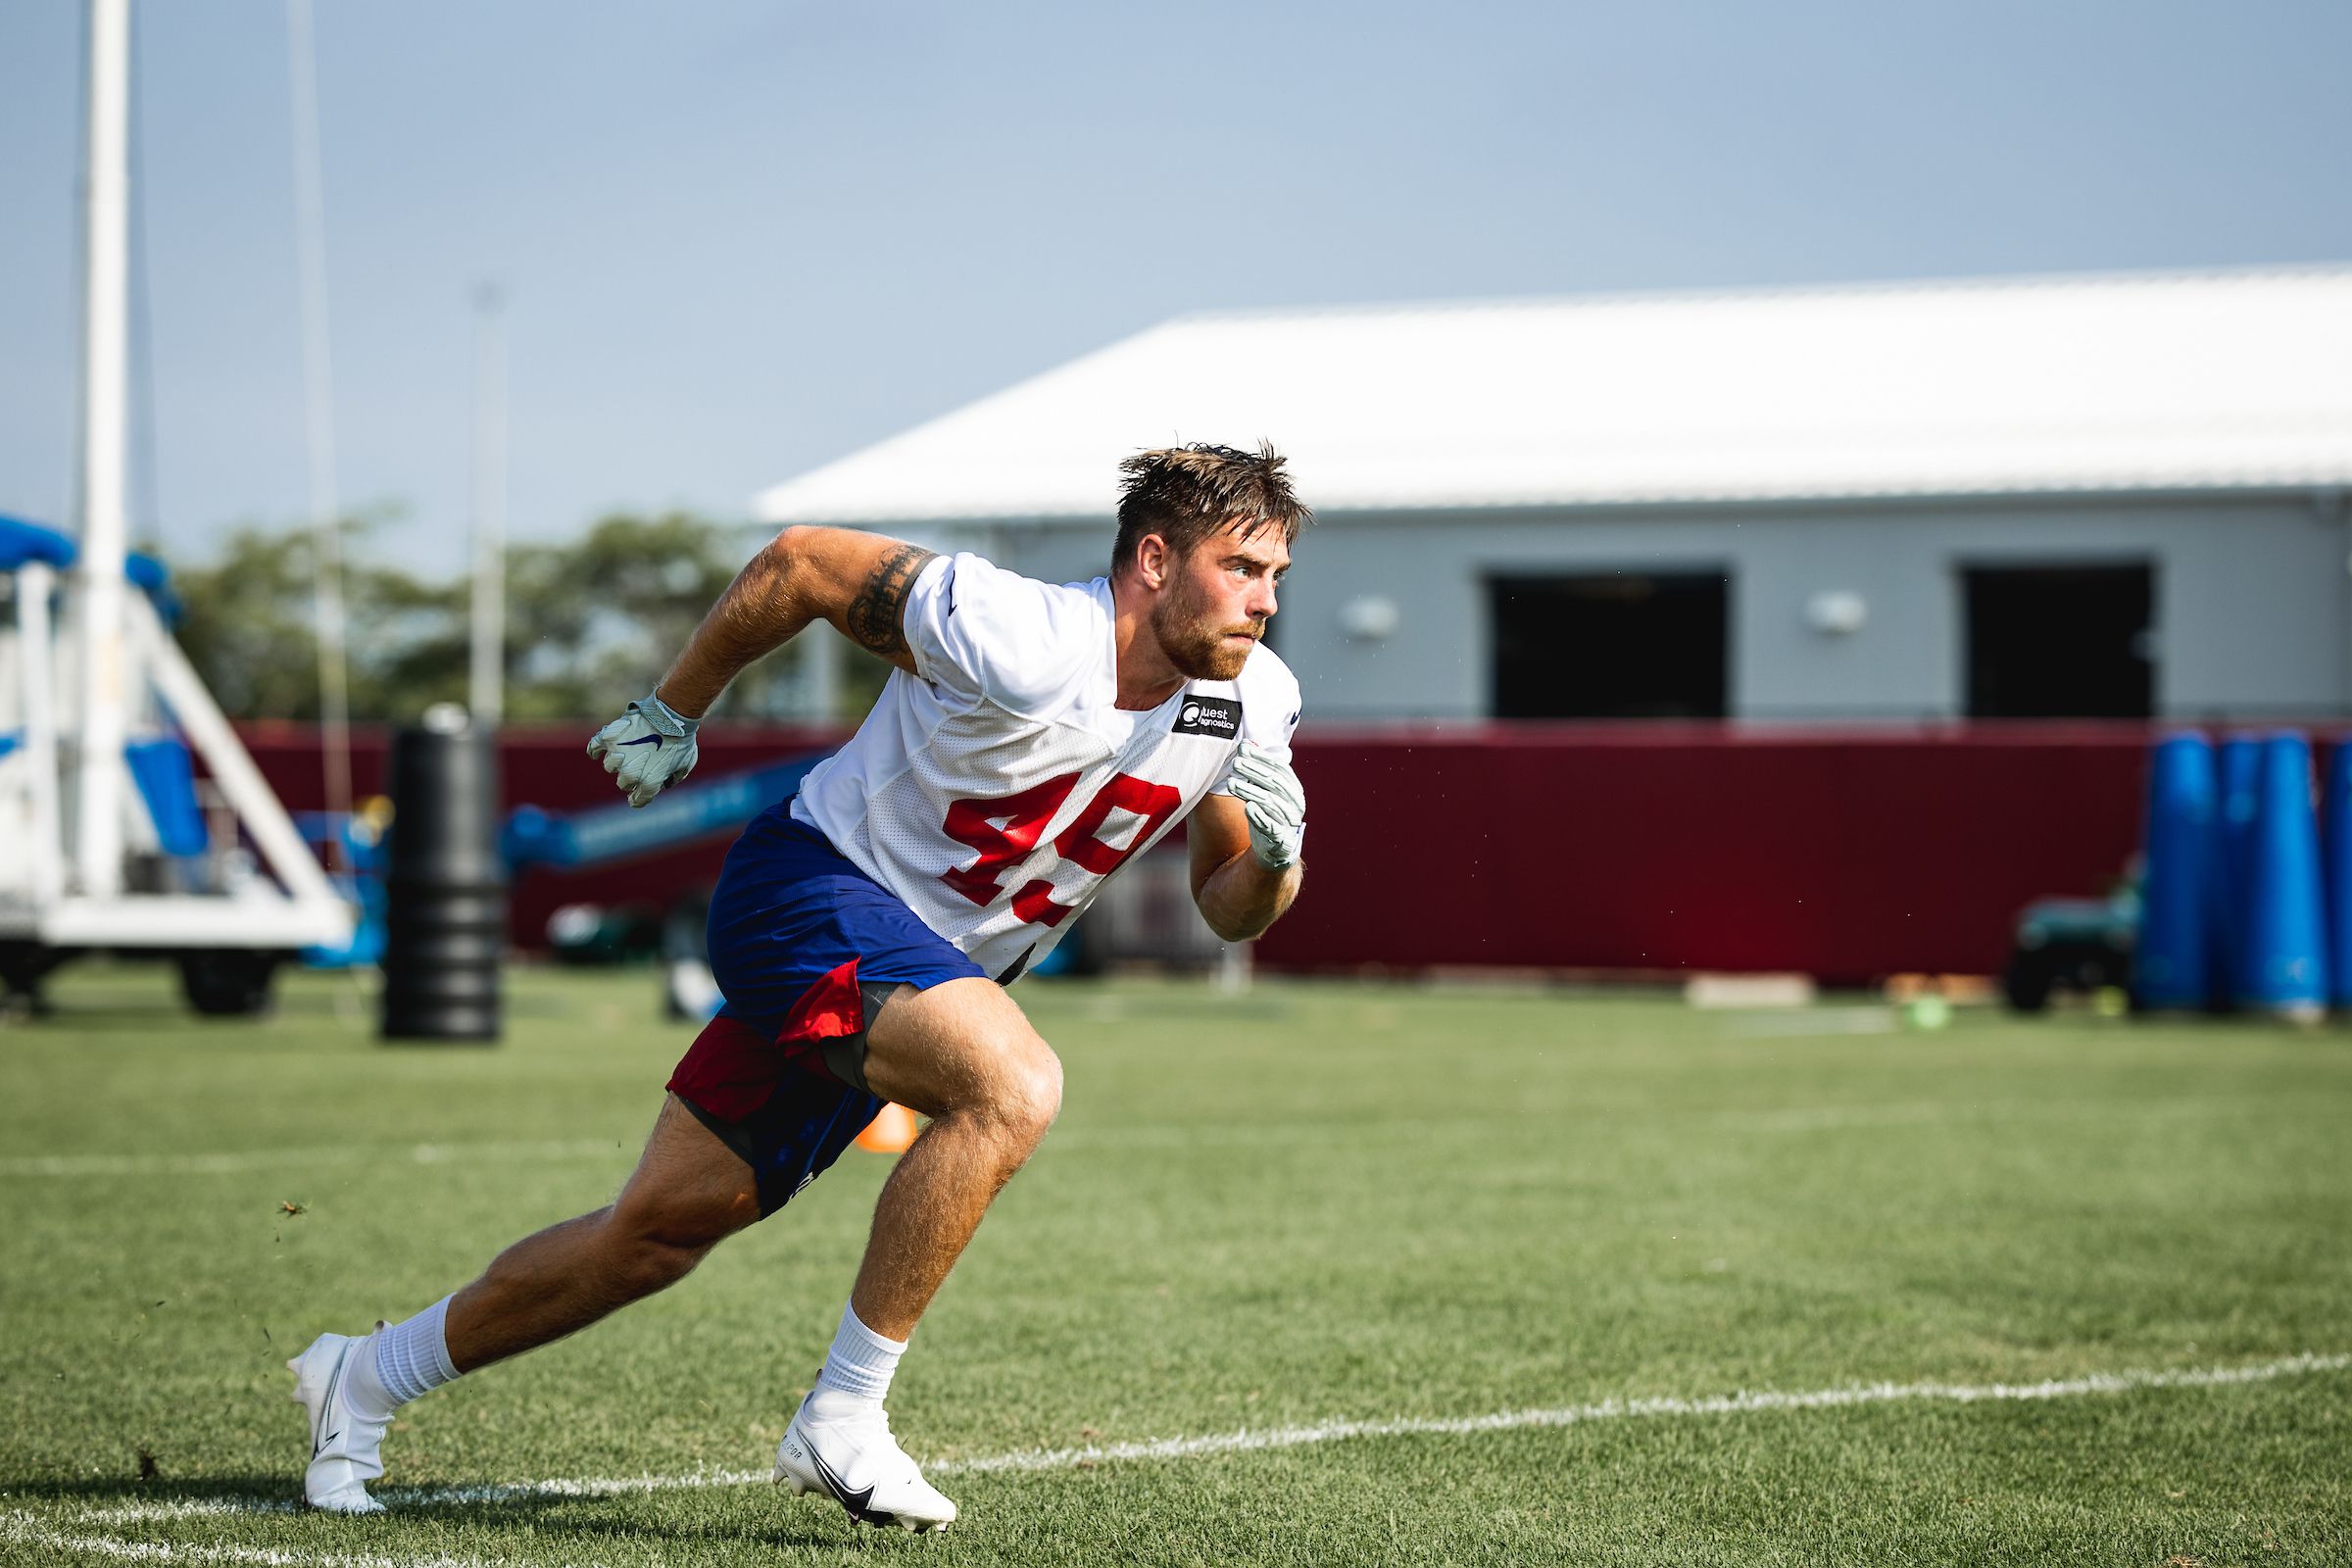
x: 310, y: 225
x: 487, y: 683
x: 98, y: 758
x: 34, y: 580
x: 233, y: 771
x: 820, y: 673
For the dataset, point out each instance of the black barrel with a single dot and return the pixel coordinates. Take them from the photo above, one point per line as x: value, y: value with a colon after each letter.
x: 446, y: 913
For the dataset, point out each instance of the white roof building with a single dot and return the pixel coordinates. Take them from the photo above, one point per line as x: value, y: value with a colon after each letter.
x: 2114, y: 423
x: 2193, y: 382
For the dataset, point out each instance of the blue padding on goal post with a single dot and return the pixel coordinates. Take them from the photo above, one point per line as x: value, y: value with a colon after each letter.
x: 2284, y: 957
x: 2239, y: 770
x: 167, y: 780
x: 2335, y: 849
x: 22, y: 541
x: 2173, y: 963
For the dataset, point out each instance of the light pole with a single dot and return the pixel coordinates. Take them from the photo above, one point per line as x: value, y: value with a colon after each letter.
x: 98, y: 757
x: 486, y: 683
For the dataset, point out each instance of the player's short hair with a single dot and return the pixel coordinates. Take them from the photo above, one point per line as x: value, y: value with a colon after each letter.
x: 1185, y: 494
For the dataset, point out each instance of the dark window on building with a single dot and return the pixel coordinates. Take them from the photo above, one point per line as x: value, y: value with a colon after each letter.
x: 2060, y: 641
x: 1610, y: 645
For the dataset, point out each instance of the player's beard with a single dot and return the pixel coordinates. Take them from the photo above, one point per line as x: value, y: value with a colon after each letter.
x: 1196, y: 642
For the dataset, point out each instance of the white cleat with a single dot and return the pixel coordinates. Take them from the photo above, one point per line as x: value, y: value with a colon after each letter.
x: 346, y: 1447
x: 860, y: 1465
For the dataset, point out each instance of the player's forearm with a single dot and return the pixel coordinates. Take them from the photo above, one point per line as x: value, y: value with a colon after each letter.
x: 760, y: 611
x: 859, y: 582
x: 1242, y: 897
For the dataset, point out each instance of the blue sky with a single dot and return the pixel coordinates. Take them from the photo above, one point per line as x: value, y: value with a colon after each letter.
x: 742, y: 238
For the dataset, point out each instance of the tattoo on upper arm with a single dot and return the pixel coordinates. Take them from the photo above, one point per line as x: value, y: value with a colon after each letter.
x: 877, y: 615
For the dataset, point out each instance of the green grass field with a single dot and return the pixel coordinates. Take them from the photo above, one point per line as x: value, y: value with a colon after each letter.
x: 1315, y: 1206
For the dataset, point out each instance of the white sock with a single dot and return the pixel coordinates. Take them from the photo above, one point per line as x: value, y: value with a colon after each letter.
x: 411, y: 1357
x: 860, y: 1365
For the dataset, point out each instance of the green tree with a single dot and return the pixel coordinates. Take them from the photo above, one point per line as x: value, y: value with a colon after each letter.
x: 590, y: 624
x: 246, y: 624
x: 593, y: 624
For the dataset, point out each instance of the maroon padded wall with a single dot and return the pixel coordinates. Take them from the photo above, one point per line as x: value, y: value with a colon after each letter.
x: 1844, y: 853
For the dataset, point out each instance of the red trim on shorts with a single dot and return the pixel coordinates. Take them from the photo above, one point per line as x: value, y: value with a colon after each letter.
x: 732, y: 1069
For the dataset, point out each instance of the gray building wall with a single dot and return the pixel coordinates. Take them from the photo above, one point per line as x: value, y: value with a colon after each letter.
x: 2253, y: 611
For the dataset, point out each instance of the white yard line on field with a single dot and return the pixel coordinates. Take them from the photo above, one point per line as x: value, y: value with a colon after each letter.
x: 253, y: 1160
x: 24, y: 1529
x: 1254, y: 1440
x: 1741, y: 1403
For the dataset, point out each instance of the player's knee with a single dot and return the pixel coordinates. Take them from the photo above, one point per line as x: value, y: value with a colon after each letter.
x: 1028, y: 1094
x: 650, y: 1249
x: 655, y: 1241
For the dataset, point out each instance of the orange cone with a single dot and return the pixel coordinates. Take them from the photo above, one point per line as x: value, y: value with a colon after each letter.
x: 890, y: 1132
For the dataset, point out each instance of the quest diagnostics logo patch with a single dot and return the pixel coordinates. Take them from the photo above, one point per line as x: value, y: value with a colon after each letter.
x: 1217, y: 717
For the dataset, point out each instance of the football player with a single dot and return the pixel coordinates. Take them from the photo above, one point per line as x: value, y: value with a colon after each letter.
x: 1031, y: 739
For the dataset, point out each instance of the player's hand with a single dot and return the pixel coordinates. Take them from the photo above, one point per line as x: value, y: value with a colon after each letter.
x: 1275, y: 803
x: 646, y: 749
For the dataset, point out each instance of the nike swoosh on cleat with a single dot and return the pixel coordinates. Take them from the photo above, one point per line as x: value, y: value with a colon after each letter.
x: 855, y: 1503
x: 334, y: 1380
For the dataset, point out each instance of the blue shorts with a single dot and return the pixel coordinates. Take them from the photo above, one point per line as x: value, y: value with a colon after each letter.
x: 805, y: 947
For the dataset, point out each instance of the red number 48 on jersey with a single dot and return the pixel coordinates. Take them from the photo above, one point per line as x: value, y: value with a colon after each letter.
x: 1007, y: 829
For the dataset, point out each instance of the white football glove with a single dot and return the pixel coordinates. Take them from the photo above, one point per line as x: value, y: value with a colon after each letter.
x: 1270, y: 792
x: 646, y: 749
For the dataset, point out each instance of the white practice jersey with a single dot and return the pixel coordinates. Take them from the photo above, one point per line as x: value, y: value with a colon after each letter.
x: 995, y: 789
